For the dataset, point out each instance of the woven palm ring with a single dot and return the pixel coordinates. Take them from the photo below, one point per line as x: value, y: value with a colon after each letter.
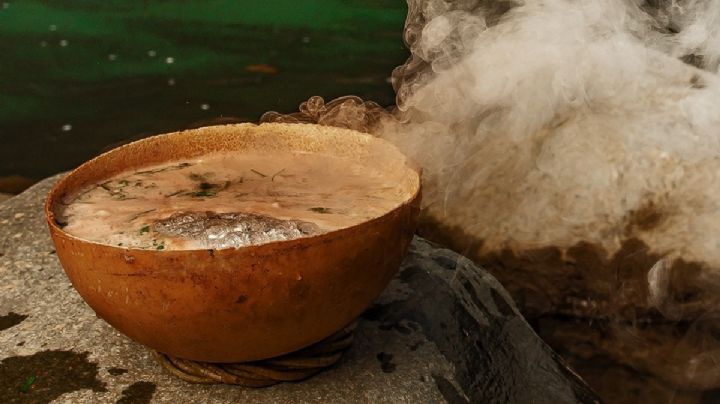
x: 295, y: 366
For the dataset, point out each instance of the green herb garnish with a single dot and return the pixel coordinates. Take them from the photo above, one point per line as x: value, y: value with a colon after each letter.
x: 141, y: 214
x: 275, y: 175
x: 197, y: 177
x: 176, y: 193
x: 144, y: 229
x: 158, y: 170
x: 28, y: 384
x: 320, y: 210
x: 118, y: 192
x: 83, y: 193
x: 208, y: 189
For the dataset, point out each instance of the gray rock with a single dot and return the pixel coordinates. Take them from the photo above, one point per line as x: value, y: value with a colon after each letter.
x: 444, y: 330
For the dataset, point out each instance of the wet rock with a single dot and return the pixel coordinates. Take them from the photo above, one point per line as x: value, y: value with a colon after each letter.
x: 467, y: 314
x: 46, y: 375
x: 677, y: 341
x: 11, y: 319
x: 585, y: 280
x: 448, y: 391
x: 138, y: 393
x: 681, y: 355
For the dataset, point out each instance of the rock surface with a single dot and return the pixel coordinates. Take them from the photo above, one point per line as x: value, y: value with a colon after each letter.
x: 444, y: 330
x: 629, y: 364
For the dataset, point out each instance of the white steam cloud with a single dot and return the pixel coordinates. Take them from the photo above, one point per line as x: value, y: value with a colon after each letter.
x: 548, y: 123
x: 563, y: 124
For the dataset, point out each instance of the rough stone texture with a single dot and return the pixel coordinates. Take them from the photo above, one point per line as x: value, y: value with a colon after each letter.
x: 599, y: 350
x: 444, y: 330
x: 681, y: 356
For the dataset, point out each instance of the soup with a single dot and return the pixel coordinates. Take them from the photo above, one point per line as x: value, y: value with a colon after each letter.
x: 229, y: 199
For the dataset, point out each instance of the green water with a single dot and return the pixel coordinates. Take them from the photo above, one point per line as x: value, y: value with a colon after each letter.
x: 77, y: 77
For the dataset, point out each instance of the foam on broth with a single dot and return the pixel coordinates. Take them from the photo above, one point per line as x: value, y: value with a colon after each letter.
x: 229, y: 199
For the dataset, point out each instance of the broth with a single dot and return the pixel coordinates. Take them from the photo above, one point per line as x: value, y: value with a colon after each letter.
x: 229, y: 199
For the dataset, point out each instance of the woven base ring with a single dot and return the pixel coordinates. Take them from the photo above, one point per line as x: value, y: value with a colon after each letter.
x: 291, y: 367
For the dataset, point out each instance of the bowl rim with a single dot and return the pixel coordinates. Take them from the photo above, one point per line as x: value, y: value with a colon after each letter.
x: 271, y: 246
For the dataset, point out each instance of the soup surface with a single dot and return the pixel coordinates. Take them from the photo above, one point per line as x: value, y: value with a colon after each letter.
x: 229, y: 199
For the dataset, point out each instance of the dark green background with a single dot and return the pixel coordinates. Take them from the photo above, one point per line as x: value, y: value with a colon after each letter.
x: 322, y: 47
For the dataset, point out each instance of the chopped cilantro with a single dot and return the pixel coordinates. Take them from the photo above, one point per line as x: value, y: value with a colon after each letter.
x: 28, y: 384
x: 258, y: 172
x: 158, y: 170
x: 276, y: 174
x: 209, y: 189
x: 196, y: 177
x: 175, y: 193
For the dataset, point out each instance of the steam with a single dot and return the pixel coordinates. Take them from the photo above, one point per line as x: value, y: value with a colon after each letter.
x: 542, y: 123
x: 552, y: 123
x: 551, y: 90
x: 345, y: 112
x: 548, y: 123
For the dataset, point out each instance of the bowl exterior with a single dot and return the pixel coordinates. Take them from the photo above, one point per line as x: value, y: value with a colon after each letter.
x: 245, y: 304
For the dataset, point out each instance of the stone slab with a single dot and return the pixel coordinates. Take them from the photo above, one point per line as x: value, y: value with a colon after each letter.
x: 443, y: 331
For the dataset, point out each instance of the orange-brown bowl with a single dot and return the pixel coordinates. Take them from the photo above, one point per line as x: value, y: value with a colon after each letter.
x: 239, y: 304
